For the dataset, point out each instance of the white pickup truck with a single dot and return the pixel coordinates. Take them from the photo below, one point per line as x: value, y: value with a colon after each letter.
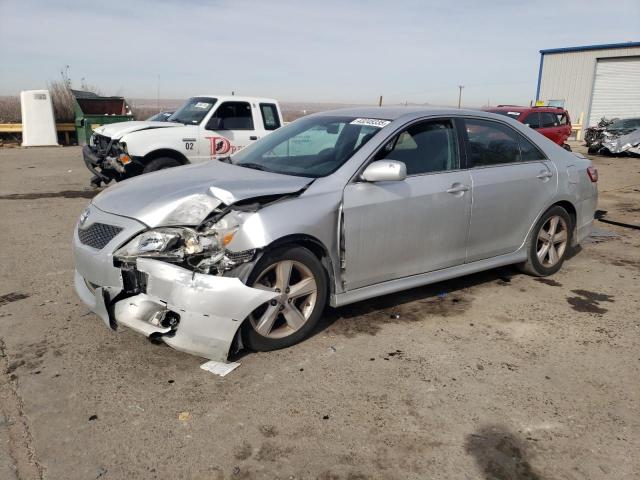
x: 206, y: 127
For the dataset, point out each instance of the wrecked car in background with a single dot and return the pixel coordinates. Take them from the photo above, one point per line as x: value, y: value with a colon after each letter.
x: 623, y: 144
x: 204, y: 128
x: 334, y: 208
x: 608, y: 131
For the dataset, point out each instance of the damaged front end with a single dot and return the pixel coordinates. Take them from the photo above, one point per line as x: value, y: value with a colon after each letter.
x: 107, y: 159
x: 177, y: 284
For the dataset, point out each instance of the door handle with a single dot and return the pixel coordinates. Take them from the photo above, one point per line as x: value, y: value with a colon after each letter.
x: 457, y: 188
x: 253, y: 137
x: 544, y: 175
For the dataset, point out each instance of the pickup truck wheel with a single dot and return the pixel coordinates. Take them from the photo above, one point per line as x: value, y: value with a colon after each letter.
x: 160, y: 164
x: 549, y: 245
x: 298, y: 277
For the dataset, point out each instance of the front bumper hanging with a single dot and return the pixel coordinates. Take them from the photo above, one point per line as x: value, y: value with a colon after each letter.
x: 192, y: 312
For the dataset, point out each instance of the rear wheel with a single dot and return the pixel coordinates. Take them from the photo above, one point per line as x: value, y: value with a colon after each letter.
x: 160, y: 164
x: 300, y: 281
x: 551, y: 238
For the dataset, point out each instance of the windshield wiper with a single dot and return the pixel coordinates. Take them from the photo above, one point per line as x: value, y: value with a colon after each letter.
x: 254, y: 166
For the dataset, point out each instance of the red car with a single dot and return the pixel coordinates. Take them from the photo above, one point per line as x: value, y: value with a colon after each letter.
x: 552, y: 122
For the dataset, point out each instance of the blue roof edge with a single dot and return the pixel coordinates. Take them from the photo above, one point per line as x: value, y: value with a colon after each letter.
x: 603, y: 46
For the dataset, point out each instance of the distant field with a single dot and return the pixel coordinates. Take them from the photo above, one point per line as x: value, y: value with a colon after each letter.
x: 144, y: 107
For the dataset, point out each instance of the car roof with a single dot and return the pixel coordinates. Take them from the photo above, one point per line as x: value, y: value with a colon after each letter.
x: 394, y: 113
x: 237, y: 98
x: 516, y: 108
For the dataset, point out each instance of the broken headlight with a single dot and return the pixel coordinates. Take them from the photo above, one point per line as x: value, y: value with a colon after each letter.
x: 170, y: 243
x: 200, y: 249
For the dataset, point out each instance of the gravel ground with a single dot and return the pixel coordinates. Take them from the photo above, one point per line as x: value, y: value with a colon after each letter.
x: 492, y: 376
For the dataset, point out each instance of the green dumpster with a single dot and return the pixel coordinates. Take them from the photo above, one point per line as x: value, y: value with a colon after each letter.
x: 93, y: 110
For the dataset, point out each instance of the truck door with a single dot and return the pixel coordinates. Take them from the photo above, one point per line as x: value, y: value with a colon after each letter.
x: 231, y: 128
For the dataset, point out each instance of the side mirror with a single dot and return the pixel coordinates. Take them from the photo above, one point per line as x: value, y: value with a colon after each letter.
x: 214, y: 123
x: 385, y: 171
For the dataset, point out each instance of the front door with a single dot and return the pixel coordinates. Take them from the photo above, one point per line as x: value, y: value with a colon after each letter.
x: 397, y: 229
x: 230, y: 128
x: 512, y: 182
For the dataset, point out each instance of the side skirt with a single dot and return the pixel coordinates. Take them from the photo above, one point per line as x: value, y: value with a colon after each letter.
x: 397, y: 285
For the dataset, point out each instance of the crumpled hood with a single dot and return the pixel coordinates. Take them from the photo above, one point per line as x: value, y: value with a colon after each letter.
x: 117, y: 130
x: 170, y: 196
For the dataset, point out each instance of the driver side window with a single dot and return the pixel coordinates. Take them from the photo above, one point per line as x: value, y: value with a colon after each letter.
x: 424, y: 147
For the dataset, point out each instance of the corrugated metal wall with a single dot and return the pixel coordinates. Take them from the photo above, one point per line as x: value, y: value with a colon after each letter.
x: 569, y: 76
x: 616, y: 89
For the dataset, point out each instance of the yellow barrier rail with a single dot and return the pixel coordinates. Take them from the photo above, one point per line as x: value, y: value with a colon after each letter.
x: 17, y: 127
x: 65, y: 128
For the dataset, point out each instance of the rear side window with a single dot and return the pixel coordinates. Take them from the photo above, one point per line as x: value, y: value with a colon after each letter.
x: 533, y: 120
x: 491, y: 143
x: 232, y: 116
x: 270, y: 116
x: 425, y: 147
x: 549, y: 120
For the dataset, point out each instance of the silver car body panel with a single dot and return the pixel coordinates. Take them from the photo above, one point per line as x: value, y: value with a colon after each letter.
x: 377, y: 238
x: 383, y: 221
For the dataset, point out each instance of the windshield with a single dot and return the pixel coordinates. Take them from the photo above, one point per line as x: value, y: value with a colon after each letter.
x: 310, y: 147
x: 192, y: 112
x: 506, y: 113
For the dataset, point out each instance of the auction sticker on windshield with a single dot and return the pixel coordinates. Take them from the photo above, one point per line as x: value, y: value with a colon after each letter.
x: 202, y: 105
x: 372, y: 122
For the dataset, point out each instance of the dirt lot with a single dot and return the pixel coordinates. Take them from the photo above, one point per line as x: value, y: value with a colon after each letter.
x: 492, y: 376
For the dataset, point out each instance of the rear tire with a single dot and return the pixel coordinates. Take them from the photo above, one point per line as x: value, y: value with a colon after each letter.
x: 301, y: 280
x: 549, y: 244
x: 160, y: 164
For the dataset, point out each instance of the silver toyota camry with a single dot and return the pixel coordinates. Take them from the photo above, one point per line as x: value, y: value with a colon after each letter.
x: 334, y: 208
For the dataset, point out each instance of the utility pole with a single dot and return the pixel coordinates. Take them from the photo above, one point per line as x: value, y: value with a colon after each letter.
x: 158, y: 94
x: 460, y: 87
x: 380, y: 101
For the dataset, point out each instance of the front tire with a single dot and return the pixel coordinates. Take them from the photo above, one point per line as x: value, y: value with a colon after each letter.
x: 299, y: 278
x: 550, y: 241
x: 160, y: 164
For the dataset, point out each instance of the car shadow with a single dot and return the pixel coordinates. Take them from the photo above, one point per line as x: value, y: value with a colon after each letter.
x: 500, y: 454
x: 446, y: 299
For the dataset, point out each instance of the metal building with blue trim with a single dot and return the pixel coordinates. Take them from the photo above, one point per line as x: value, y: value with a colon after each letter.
x: 592, y: 81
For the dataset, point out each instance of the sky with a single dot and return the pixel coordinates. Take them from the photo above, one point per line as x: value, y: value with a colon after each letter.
x: 302, y: 51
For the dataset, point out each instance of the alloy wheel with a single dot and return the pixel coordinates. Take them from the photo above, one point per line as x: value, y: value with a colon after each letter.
x: 289, y: 311
x: 552, y: 241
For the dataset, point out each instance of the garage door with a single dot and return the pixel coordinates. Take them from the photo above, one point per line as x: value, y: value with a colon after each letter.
x: 616, y: 90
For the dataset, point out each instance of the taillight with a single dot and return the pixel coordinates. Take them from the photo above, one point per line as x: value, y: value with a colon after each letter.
x: 593, y: 173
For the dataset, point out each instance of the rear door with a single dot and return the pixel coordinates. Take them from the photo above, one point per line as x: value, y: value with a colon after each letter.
x: 396, y: 229
x: 233, y: 126
x: 512, y: 182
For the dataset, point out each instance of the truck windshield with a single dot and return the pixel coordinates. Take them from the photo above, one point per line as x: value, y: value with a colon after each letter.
x: 310, y: 147
x: 192, y: 112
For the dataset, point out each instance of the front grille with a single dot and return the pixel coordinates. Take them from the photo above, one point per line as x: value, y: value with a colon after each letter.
x: 97, y: 235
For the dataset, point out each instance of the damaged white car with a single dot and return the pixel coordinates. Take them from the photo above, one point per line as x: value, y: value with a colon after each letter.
x: 332, y: 209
